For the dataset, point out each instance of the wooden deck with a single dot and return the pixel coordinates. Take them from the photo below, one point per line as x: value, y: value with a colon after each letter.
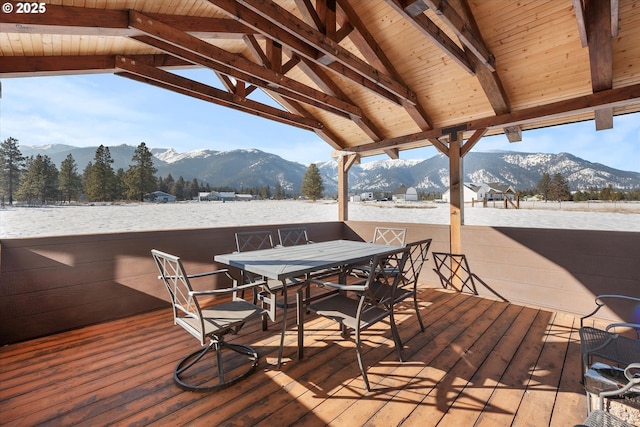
x: 480, y: 362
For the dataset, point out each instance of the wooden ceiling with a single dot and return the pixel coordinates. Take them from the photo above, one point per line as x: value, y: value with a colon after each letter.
x: 368, y: 76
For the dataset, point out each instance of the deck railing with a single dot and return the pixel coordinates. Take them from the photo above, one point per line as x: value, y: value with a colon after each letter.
x: 52, y: 284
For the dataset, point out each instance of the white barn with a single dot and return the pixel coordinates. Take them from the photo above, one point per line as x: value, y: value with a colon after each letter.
x: 405, y: 194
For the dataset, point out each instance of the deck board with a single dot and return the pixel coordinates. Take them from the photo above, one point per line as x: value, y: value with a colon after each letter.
x: 479, y: 362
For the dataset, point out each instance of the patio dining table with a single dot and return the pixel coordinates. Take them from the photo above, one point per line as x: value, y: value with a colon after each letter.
x: 291, y: 264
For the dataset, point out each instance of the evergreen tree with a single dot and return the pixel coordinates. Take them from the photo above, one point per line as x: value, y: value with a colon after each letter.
x: 140, y: 178
x: 194, y: 189
x: 278, y: 192
x: 166, y: 184
x: 69, y: 181
x: 100, y: 183
x: 86, y: 177
x: 559, y: 188
x: 312, y: 187
x: 265, y: 192
x: 178, y: 188
x: 11, y: 165
x: 544, y: 186
x: 119, y: 187
x: 39, y: 181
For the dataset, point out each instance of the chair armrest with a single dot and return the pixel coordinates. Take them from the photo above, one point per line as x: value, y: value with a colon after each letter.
x: 227, y: 290
x: 599, y: 300
x: 208, y: 273
x: 623, y: 325
x: 338, y: 286
x: 632, y: 373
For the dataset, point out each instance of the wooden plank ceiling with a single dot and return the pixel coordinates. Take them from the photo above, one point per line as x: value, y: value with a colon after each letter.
x: 368, y: 76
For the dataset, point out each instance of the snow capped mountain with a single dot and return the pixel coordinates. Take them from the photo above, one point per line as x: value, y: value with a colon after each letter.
x: 389, y: 164
x: 251, y: 168
x: 172, y: 156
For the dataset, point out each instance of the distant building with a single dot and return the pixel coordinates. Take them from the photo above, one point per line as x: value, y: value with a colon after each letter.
x: 159, y: 197
x: 244, y: 197
x: 405, y: 194
x: 490, y: 192
x: 208, y: 196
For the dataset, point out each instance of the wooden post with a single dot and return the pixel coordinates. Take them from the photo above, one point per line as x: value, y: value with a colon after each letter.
x: 456, y: 201
x: 345, y: 161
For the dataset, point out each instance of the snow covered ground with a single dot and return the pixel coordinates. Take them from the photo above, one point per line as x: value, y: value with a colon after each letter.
x: 65, y: 220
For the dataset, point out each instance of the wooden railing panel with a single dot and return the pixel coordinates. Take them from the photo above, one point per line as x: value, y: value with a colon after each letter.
x: 52, y: 284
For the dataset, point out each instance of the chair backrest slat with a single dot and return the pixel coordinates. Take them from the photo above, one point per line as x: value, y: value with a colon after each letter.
x: 389, y: 236
x: 253, y: 241
x: 385, y: 275
x: 418, y: 254
x: 177, y: 283
x: 293, y: 236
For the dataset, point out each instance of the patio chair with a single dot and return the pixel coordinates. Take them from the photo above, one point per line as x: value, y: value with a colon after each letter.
x: 620, y: 387
x: 603, y: 419
x: 382, y: 236
x: 408, y: 287
x: 269, y: 290
x: 610, y: 343
x: 211, y: 323
x: 293, y: 236
x: 365, y: 303
x: 389, y: 236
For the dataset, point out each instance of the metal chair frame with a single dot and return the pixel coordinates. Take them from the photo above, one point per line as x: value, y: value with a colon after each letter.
x: 360, y: 305
x: 607, y: 344
x: 293, y: 236
x: 206, y: 324
x: 389, y: 236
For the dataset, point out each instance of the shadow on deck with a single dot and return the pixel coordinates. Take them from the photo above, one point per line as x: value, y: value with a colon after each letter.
x: 480, y: 362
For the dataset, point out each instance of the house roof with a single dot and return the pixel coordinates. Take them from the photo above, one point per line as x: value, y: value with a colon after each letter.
x: 368, y: 76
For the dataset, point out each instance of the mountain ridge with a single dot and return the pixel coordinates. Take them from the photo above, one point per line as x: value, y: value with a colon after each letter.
x: 250, y: 168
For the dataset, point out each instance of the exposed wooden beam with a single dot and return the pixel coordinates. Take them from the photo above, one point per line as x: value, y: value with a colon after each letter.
x: 598, y: 25
x: 615, y: 18
x: 487, y: 76
x: 617, y: 97
x: 191, y: 48
x: 185, y: 86
x: 86, y: 21
x: 472, y: 141
x: 30, y: 66
x: 329, y: 137
x: 431, y: 31
x: 310, y: 15
x: 393, y: 153
x: 325, y: 134
x: 468, y: 35
x: 301, y: 37
x: 373, y: 53
x: 578, y: 8
x: 324, y: 82
x: 440, y: 146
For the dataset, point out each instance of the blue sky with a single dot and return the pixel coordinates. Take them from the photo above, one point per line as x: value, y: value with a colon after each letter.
x: 90, y: 110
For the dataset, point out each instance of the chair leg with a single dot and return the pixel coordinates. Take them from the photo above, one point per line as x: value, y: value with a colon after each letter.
x: 198, y: 380
x: 396, y: 336
x: 415, y: 304
x: 360, y: 361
